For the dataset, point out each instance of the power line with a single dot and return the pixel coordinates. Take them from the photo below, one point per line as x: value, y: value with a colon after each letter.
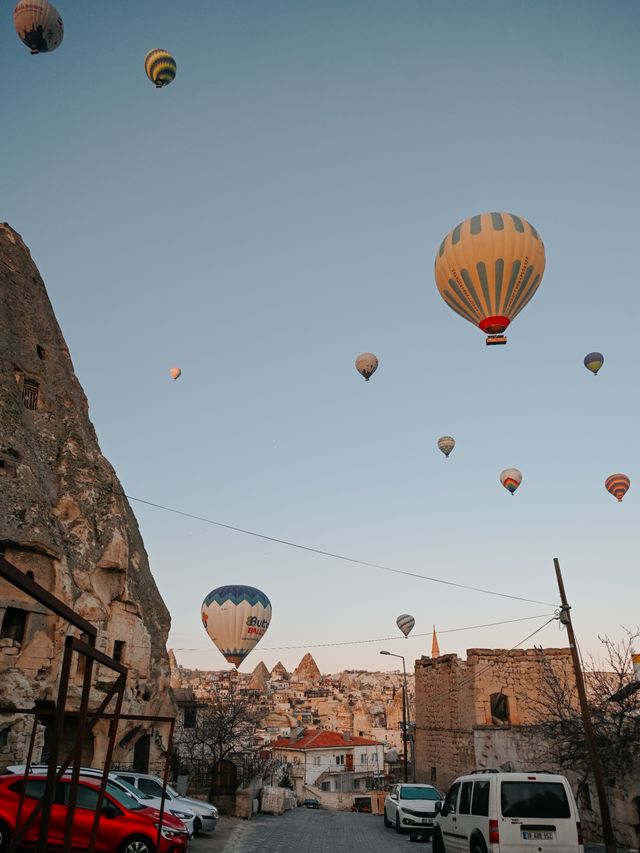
x: 334, y: 556
x: 380, y: 639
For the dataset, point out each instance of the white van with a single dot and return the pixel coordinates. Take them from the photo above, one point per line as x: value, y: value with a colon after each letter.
x: 496, y: 812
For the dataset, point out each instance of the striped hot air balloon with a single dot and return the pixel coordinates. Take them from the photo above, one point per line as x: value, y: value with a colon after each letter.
x: 488, y: 268
x: 405, y: 622
x: 366, y: 364
x: 511, y: 479
x: 594, y: 362
x: 236, y: 618
x: 160, y: 67
x: 446, y: 444
x: 38, y: 25
x: 617, y: 485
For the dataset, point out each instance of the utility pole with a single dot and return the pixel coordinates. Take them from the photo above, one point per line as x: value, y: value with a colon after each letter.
x: 565, y: 619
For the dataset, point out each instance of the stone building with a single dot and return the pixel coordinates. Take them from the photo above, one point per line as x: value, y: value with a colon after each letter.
x: 468, y: 712
x: 65, y: 521
x: 482, y: 713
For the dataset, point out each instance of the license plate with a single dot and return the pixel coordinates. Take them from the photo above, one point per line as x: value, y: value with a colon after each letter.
x: 529, y: 835
x: 425, y: 820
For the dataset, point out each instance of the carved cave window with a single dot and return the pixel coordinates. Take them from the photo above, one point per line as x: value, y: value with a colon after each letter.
x: 118, y: 650
x: 40, y: 351
x: 499, y: 709
x: 4, y: 736
x: 30, y: 391
x: 13, y: 624
x: 434, y: 775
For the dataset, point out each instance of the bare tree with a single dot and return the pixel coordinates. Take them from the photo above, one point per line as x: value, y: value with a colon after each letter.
x: 225, y: 726
x: 614, y: 702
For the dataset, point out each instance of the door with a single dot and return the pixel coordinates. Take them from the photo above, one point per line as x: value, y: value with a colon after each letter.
x: 83, y: 817
x: 464, y: 820
x: 448, y: 821
x: 141, y: 754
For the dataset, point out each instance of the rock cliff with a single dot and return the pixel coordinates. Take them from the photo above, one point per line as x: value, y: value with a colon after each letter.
x: 64, y: 518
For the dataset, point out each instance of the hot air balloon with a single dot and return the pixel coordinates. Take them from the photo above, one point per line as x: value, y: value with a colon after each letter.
x: 446, y: 444
x: 160, y: 67
x: 175, y: 373
x: 594, y: 362
x: 617, y: 485
x: 366, y: 364
x: 236, y: 618
x: 405, y: 622
x: 38, y: 25
x: 488, y: 268
x: 511, y: 479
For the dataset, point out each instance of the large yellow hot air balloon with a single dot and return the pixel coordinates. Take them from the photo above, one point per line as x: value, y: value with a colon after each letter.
x: 38, y: 25
x: 236, y: 618
x: 488, y: 268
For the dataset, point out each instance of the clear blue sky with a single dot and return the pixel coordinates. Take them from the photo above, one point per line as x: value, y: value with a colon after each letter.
x: 276, y: 211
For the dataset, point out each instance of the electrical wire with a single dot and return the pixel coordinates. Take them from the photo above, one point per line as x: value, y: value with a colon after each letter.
x: 332, y: 555
x: 382, y: 639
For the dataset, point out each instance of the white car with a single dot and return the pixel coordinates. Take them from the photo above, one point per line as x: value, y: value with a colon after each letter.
x: 188, y: 817
x: 206, y: 814
x: 412, y: 807
x: 515, y: 812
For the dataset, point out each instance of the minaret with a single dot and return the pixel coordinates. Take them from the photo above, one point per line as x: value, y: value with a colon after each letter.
x: 435, y: 649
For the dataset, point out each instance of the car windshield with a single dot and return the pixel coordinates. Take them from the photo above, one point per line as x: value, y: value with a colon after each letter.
x: 125, y: 800
x: 413, y: 792
x: 534, y: 799
x: 138, y: 795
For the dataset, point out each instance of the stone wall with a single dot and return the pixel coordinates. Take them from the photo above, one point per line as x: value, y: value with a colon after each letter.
x: 64, y: 519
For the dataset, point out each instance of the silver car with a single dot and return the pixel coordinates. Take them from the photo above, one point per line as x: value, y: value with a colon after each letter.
x: 206, y: 814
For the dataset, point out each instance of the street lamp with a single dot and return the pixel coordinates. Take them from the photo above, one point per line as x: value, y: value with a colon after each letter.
x: 405, y: 722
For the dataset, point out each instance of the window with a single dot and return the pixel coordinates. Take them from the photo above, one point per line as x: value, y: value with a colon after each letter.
x: 190, y: 715
x: 465, y: 798
x: 584, y: 796
x: 449, y: 805
x: 13, y: 624
x: 34, y: 788
x: 339, y: 759
x: 7, y: 469
x: 153, y: 789
x: 4, y: 736
x: 434, y: 776
x: 30, y: 394
x: 534, y: 799
x: 86, y: 798
x: 325, y: 786
x: 480, y: 802
x: 118, y: 650
x: 316, y: 760
x: 40, y: 351
x: 499, y: 709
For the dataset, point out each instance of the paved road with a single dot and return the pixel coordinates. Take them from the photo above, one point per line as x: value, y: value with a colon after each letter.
x: 310, y: 831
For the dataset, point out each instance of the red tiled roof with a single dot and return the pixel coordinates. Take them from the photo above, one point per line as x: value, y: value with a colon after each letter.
x: 313, y: 739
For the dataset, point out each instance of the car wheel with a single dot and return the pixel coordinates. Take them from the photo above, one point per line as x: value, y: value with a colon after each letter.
x: 477, y: 846
x: 5, y: 837
x: 437, y: 842
x: 387, y: 822
x: 398, y: 830
x: 197, y: 827
x: 137, y: 844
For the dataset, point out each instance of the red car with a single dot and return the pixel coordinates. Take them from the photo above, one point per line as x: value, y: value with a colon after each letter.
x: 126, y: 826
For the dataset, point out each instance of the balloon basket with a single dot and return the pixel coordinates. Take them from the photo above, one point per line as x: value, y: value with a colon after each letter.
x: 494, y: 340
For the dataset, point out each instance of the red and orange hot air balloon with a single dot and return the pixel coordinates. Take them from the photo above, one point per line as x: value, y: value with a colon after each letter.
x: 488, y: 268
x: 617, y: 485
